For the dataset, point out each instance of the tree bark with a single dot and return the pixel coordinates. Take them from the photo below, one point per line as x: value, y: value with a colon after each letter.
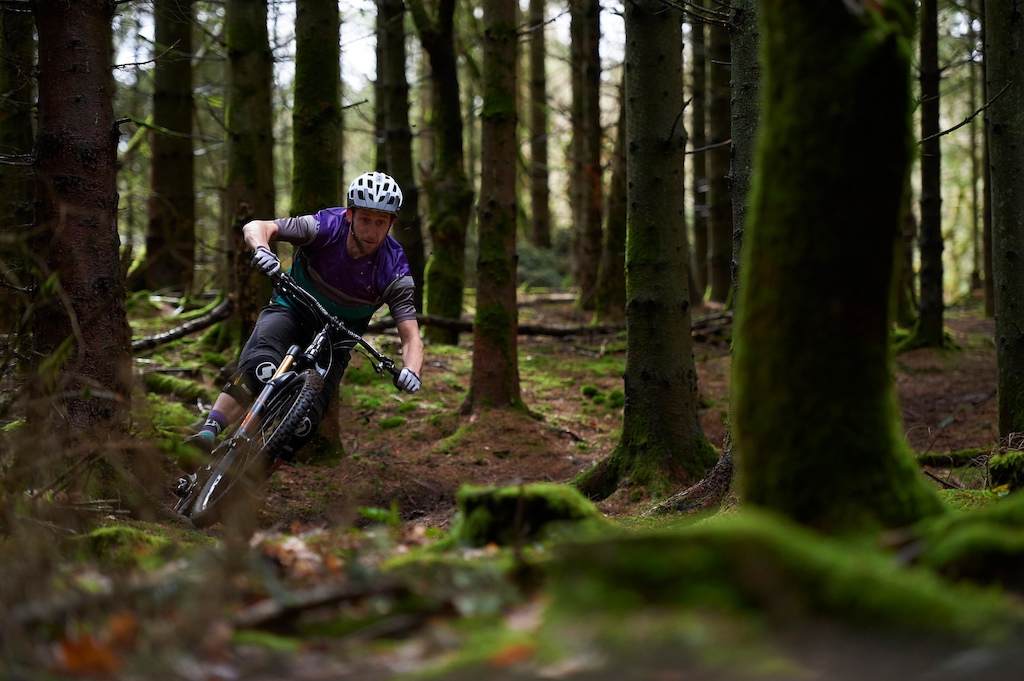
x: 1004, y: 31
x: 812, y: 384
x: 540, y: 193
x: 698, y: 142
x: 80, y: 329
x: 745, y: 110
x: 398, y: 137
x: 450, y: 195
x: 662, y: 446
x: 316, y: 116
x: 586, y: 145
x: 494, y: 380
x: 610, y: 299
x: 930, y: 332
x: 250, y: 172
x: 170, y: 231
x: 720, y: 222
x: 17, y: 55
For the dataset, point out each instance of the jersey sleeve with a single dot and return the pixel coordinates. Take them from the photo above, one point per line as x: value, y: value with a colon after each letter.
x: 402, y: 299
x: 300, y: 231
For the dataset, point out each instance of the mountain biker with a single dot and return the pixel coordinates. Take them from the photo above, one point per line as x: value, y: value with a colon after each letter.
x: 347, y: 259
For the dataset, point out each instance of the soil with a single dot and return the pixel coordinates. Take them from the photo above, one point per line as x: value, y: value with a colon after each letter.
x: 947, y: 399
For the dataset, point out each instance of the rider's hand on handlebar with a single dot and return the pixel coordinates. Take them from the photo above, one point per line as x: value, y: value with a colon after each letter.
x: 264, y: 260
x: 408, y: 381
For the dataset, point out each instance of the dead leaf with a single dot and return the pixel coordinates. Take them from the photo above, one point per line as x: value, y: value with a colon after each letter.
x: 85, y: 656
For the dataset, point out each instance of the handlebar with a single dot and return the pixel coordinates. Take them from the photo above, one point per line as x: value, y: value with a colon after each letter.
x: 287, y: 285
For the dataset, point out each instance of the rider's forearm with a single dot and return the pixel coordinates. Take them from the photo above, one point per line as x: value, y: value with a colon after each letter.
x: 259, y: 233
x: 412, y: 346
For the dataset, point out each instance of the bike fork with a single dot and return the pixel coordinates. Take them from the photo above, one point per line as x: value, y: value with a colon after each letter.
x: 252, y: 417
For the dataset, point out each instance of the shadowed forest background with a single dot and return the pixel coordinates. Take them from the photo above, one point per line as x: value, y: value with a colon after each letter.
x: 724, y: 370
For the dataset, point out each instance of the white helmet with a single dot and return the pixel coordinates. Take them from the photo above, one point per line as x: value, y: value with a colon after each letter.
x: 376, y: 191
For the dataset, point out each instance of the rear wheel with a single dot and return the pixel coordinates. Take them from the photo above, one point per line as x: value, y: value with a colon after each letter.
x: 239, y: 466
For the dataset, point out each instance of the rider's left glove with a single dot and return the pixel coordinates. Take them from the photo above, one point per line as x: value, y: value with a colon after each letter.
x: 264, y: 260
x: 408, y: 381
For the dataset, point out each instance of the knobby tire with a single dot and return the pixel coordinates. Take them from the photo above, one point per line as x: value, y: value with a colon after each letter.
x: 240, y: 467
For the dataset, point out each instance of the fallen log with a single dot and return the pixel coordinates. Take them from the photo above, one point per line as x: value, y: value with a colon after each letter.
x: 219, y: 313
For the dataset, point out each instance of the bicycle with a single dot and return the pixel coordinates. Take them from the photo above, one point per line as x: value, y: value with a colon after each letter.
x: 245, y: 459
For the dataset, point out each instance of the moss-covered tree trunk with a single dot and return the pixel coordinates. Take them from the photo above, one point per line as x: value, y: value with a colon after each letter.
x: 398, y: 136
x: 1004, y: 28
x: 449, y: 193
x: 250, y: 142
x: 719, y: 132
x: 316, y: 116
x: 81, y: 337
x: 662, y: 446
x: 170, y: 229
x: 540, y: 191
x: 494, y: 380
x: 17, y: 55
x: 815, y: 417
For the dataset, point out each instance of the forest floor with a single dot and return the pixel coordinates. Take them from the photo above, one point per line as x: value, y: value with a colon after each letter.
x: 318, y: 595
x: 947, y: 400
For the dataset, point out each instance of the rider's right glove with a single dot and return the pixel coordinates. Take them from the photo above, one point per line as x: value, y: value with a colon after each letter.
x: 408, y: 381
x: 264, y: 260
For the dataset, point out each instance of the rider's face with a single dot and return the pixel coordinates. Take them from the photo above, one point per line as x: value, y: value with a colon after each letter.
x: 369, y: 227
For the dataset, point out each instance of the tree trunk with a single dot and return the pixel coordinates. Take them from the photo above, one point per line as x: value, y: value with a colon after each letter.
x: 1005, y: 57
x: 812, y: 385
x: 698, y: 142
x: 586, y: 125
x: 316, y: 116
x: 540, y: 193
x: 719, y: 131
x: 662, y: 446
x: 986, y: 174
x: 17, y: 55
x: 745, y: 110
x: 494, y: 382
x: 610, y: 299
x: 250, y: 172
x: 448, y: 190
x: 398, y: 137
x: 170, y: 231
x: 929, y: 330
x: 80, y: 330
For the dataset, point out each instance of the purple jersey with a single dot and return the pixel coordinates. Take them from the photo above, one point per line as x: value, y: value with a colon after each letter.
x: 352, y: 288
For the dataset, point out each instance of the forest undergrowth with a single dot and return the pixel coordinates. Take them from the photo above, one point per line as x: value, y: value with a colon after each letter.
x: 360, y: 566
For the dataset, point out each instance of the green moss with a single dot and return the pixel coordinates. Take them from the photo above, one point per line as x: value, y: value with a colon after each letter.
x: 264, y: 639
x: 590, y: 391
x: 392, y: 422
x: 179, y: 387
x: 126, y: 547
x: 356, y: 376
x: 1007, y: 468
x: 513, y: 514
x: 758, y: 564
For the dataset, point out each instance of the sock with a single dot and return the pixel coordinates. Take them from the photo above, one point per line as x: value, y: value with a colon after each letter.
x: 215, y: 423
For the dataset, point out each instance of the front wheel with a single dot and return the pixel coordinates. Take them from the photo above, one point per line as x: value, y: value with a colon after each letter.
x: 240, y: 465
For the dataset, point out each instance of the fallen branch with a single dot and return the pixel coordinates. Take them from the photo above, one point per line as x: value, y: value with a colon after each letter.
x: 271, y: 609
x: 217, y: 314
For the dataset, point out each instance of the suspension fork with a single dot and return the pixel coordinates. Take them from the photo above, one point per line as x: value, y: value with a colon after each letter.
x: 251, y: 420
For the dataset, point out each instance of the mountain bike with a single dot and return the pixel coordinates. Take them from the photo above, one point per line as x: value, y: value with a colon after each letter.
x: 246, y: 458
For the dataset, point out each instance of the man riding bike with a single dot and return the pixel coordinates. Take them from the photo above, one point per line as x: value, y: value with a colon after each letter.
x: 347, y: 259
